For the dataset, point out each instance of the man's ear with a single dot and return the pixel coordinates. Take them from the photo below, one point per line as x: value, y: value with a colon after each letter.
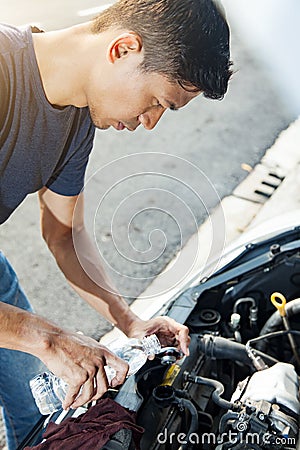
x: 123, y: 45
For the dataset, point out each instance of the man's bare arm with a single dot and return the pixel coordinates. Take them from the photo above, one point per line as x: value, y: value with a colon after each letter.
x: 79, y: 360
x: 83, y: 269
x: 81, y: 266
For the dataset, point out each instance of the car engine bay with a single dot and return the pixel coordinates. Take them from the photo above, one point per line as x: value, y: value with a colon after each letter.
x: 239, y: 388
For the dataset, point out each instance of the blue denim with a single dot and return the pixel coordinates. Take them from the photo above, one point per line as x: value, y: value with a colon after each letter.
x: 20, y: 413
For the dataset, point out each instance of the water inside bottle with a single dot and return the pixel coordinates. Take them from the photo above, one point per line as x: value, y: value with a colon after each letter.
x: 48, y: 392
x: 135, y: 352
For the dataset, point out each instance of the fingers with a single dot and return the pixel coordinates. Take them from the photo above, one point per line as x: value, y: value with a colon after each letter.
x: 116, y: 366
x: 169, y: 332
x: 121, y: 367
x: 184, y: 339
x: 94, y: 383
x: 87, y: 392
x: 81, y: 388
x: 73, y: 390
x: 180, y: 334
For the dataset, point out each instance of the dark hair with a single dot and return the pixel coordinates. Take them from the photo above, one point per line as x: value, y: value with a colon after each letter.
x: 185, y: 40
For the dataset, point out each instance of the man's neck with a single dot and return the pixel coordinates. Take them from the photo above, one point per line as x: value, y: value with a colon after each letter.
x: 63, y: 59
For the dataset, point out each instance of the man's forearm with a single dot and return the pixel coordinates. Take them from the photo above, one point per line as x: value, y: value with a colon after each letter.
x: 79, y: 360
x: 24, y: 331
x: 83, y: 268
x: 84, y: 271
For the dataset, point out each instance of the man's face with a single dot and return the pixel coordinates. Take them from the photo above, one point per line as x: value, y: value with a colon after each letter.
x: 132, y: 97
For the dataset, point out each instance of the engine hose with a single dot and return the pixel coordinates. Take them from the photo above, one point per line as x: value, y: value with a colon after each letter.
x: 222, y: 348
x: 243, y: 300
x: 275, y: 321
x: 218, y: 389
x: 165, y: 396
x: 194, y: 420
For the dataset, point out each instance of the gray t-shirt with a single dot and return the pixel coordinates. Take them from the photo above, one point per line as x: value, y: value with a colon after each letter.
x: 39, y: 145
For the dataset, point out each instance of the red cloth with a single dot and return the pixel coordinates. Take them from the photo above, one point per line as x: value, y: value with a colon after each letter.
x: 91, y: 430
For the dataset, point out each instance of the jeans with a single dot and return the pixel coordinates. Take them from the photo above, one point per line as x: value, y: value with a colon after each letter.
x: 19, y: 411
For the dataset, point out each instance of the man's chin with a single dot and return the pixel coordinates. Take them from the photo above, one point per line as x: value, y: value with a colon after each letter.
x: 101, y: 126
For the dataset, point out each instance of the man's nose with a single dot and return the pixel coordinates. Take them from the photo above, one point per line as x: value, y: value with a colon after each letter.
x: 150, y: 118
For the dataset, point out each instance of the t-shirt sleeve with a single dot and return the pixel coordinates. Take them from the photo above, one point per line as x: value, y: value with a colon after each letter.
x: 69, y: 179
x: 4, y: 94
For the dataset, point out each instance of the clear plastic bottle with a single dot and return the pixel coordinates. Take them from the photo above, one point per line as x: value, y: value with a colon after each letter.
x: 135, y: 352
x: 49, y: 391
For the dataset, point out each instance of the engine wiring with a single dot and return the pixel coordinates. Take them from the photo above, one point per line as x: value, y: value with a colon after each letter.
x: 252, y: 352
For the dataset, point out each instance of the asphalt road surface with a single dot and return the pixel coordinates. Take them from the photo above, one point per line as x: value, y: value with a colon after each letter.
x: 149, y: 191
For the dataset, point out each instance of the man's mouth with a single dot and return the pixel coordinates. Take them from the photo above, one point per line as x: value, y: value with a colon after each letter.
x: 121, y: 126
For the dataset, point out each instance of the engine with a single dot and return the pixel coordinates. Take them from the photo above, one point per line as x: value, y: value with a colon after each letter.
x: 265, y: 411
x: 239, y: 388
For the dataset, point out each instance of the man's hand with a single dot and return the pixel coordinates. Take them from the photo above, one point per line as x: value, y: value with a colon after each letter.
x: 79, y: 361
x: 168, y: 331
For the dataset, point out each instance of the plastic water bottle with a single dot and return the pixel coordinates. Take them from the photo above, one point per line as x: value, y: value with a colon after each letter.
x: 135, y: 352
x: 49, y: 391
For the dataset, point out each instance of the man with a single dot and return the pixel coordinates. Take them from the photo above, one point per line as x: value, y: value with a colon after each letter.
x: 125, y: 68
